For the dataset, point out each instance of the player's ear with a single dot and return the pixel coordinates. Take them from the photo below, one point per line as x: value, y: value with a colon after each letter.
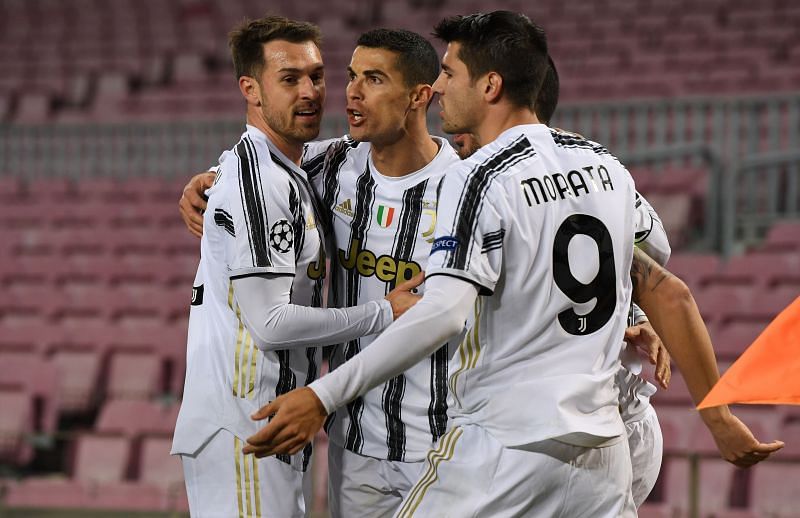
x: 421, y: 96
x: 250, y: 90
x: 492, y: 86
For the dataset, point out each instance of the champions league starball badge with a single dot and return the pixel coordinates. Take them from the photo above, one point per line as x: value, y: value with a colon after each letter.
x: 281, y: 236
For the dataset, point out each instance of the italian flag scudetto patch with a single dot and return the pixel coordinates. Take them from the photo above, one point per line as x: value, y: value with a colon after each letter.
x: 385, y: 215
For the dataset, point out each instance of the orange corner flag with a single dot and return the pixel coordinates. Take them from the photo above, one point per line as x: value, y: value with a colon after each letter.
x: 768, y: 372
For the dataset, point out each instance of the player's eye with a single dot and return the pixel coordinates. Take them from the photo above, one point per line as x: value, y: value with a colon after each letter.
x: 318, y: 78
x: 374, y: 80
x: 289, y: 80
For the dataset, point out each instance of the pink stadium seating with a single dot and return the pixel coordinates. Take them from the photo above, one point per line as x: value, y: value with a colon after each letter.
x: 39, y: 378
x: 676, y: 394
x: 782, y: 236
x: 134, y: 417
x: 134, y: 375
x: 101, y: 458
x: 16, y: 423
x: 78, y: 375
x: 773, y: 490
x: 157, y: 467
x: 732, y: 338
x: 716, y: 479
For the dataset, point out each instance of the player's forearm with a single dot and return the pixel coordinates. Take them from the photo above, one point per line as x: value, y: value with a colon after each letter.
x: 419, y: 332
x: 275, y: 324
x: 674, y: 315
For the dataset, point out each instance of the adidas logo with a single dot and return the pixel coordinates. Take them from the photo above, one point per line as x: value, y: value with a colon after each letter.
x: 345, y: 208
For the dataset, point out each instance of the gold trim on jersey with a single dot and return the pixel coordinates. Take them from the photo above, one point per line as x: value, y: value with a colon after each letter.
x: 245, y: 355
x: 468, y: 350
x: 237, y: 454
x: 443, y: 452
x: 248, y: 498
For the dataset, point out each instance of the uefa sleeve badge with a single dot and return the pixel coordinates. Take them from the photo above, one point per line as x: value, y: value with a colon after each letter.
x: 281, y: 236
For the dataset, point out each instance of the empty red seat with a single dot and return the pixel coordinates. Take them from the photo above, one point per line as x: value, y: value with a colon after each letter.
x: 783, y: 236
x: 134, y: 417
x: 157, y: 467
x: 716, y: 482
x: 16, y: 423
x: 732, y: 338
x: 773, y: 489
x: 78, y: 378
x: 693, y: 268
x: 134, y: 375
x: 39, y: 378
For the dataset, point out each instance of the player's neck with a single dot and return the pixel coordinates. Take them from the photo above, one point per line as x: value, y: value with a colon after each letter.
x: 501, y: 117
x: 291, y: 148
x: 412, y: 152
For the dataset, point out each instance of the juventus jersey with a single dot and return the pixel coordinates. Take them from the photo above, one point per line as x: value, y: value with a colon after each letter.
x: 542, y: 222
x: 383, y: 229
x: 259, y: 219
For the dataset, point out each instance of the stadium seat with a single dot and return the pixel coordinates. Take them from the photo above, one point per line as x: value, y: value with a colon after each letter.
x: 31, y: 371
x: 101, y: 458
x: 782, y: 236
x: 157, y: 467
x: 133, y: 417
x: 16, y: 423
x: 731, y: 338
x: 773, y: 489
x: 676, y: 394
x: 716, y: 478
x: 78, y: 378
x: 134, y: 375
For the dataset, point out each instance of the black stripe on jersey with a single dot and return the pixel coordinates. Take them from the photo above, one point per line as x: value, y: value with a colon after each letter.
x: 224, y: 220
x: 474, y: 192
x: 335, y: 157
x: 408, y: 225
x: 362, y: 217
x: 437, y: 410
x: 638, y: 201
x: 493, y: 240
x: 286, y: 382
x: 301, y: 181
x: 402, y: 250
x: 311, y: 375
x: 313, y: 166
x: 393, y: 392
x: 255, y: 214
x: 298, y: 222
x: 573, y: 140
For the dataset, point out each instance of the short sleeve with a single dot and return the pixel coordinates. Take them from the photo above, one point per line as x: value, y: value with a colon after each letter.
x: 267, y: 217
x: 470, y: 232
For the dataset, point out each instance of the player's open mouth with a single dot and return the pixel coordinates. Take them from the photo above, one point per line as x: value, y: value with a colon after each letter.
x: 307, y: 113
x: 354, y: 117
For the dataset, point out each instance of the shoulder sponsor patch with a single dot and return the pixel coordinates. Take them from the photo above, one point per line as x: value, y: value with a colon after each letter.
x: 445, y: 244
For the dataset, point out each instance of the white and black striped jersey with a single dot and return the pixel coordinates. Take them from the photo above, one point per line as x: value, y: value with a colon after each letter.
x: 383, y: 229
x: 260, y: 219
x: 543, y: 223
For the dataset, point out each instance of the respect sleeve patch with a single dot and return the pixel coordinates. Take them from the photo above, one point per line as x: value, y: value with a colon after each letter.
x: 445, y: 244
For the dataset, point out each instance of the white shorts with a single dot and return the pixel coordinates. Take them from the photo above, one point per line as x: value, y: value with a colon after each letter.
x: 223, y: 482
x: 365, y: 486
x: 647, y: 446
x: 470, y: 473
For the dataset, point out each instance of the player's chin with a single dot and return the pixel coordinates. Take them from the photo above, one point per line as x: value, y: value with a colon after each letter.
x: 306, y: 132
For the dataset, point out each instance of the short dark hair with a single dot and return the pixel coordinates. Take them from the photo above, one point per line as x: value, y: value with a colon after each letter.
x: 547, y: 100
x: 503, y: 42
x: 247, y: 40
x: 416, y: 57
